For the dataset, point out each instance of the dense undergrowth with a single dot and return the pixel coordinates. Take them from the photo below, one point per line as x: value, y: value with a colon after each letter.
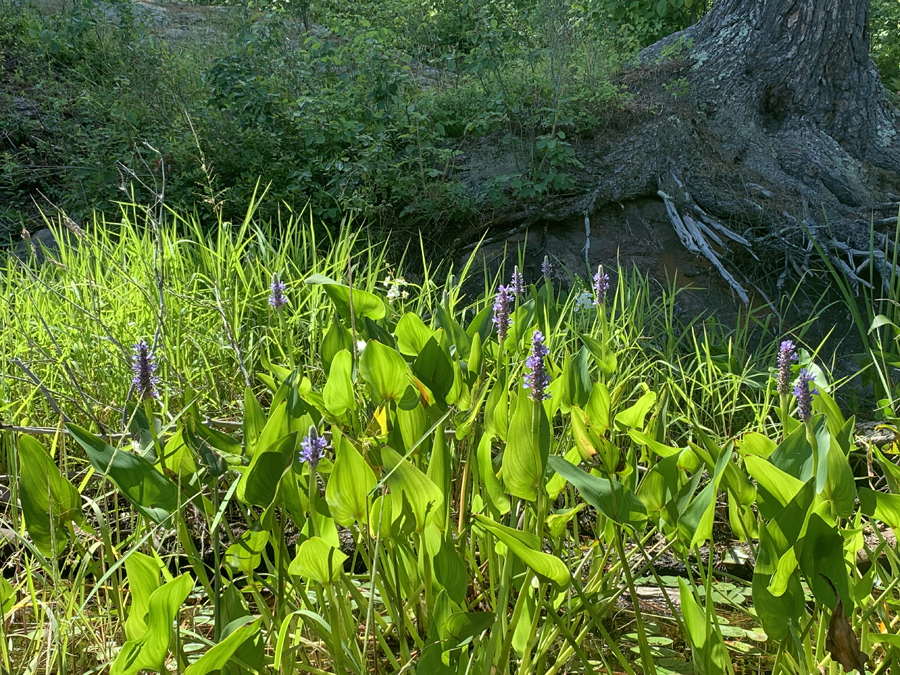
x: 365, y: 113
x: 330, y: 465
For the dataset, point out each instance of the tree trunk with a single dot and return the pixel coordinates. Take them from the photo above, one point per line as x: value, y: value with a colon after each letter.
x: 799, y: 72
x: 781, y: 123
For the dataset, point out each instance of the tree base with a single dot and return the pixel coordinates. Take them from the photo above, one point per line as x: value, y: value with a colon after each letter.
x: 737, y: 167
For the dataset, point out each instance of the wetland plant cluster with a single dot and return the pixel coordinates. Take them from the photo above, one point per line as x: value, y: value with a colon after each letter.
x: 417, y: 480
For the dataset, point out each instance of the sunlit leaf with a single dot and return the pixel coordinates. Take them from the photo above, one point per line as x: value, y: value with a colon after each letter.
x: 48, y: 499
x: 147, y: 489
x: 318, y: 560
x: 148, y: 652
x: 528, y: 548
x: 364, y: 303
x: 349, y: 485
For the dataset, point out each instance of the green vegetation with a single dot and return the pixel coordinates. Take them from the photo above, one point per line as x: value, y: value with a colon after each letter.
x: 346, y: 472
x: 366, y: 113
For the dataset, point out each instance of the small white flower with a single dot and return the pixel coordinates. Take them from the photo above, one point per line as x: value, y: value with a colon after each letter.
x: 584, y: 301
x: 393, y: 293
x: 360, y: 345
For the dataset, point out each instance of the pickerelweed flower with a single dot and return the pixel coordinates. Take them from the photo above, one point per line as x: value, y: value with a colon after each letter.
x: 144, y: 366
x: 517, y: 284
x: 601, y: 285
x: 546, y: 268
x: 786, y: 354
x: 538, y: 379
x: 312, y: 448
x: 277, y: 299
x: 804, y: 394
x: 502, y: 302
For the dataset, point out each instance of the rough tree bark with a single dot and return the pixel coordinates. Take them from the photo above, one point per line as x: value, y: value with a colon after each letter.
x: 784, y: 125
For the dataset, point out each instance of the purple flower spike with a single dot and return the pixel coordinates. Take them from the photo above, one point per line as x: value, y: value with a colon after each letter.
x: 312, y: 448
x: 786, y: 354
x: 601, y: 286
x: 277, y: 299
x: 502, y: 302
x: 517, y: 284
x: 804, y: 394
x: 143, y: 366
x: 538, y: 379
x: 546, y: 268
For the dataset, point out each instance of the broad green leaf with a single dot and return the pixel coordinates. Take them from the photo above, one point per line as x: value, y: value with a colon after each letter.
x: 526, y: 603
x: 757, y: 444
x: 143, y: 578
x: 777, y: 612
x: 707, y: 647
x: 660, y: 487
x: 261, y: 480
x: 603, y: 354
x: 695, y: 524
x: 625, y: 508
x: 465, y: 625
x: 775, y: 482
x: 880, y: 506
x: 840, y: 488
x: 493, y: 493
x: 434, y: 369
x: 527, y: 448
x: 449, y: 571
x: 821, y: 553
x: 410, y: 426
x: 440, y: 472
x: 412, y: 334
x: 476, y: 356
x: 7, y: 597
x: 385, y: 371
x: 577, y: 377
x: 413, y: 487
x: 589, y: 443
x: 349, y: 485
x: 179, y: 457
x: 496, y: 411
x: 557, y: 522
x: 276, y: 426
x: 734, y: 480
x: 216, y: 439
x: 364, y: 303
x: 557, y: 483
x: 660, y: 449
x: 245, y: 554
x: 49, y: 500
x: 784, y: 571
x: 597, y: 409
x: 151, y: 493
x: 522, y: 323
x: 338, y: 391
x: 148, y: 652
x: 457, y: 336
x: 527, y: 547
x: 318, y: 560
x: 222, y: 654
x: 336, y: 339
x: 254, y: 422
x: 634, y: 416
x: 794, y: 455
